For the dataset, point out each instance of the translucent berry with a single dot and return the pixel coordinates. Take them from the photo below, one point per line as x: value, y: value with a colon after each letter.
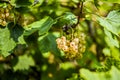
x: 65, y: 48
x: 76, y: 40
x: 72, y: 44
x: 7, y: 14
x: 63, y: 38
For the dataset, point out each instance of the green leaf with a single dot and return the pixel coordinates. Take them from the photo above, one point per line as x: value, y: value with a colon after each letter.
x: 111, y: 22
x: 16, y: 33
x: 24, y: 63
x: 108, y: 26
x: 112, y: 1
x: 41, y: 26
x: 115, y: 53
x: 113, y: 74
x: 23, y: 10
x: 23, y: 3
x: 66, y: 65
x: 47, y: 43
x: 96, y: 3
x: 114, y: 18
x: 110, y: 39
x: 7, y: 43
x: 46, y: 26
x: 69, y: 18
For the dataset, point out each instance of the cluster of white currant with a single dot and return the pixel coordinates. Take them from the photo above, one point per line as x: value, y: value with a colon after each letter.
x: 72, y: 48
x: 5, y: 15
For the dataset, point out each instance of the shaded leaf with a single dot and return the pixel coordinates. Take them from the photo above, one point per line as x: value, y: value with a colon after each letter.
x: 16, y: 31
x: 47, y: 43
x: 22, y: 3
x: 96, y: 3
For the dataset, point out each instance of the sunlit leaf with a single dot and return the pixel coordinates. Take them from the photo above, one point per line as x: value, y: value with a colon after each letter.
x: 110, y: 39
x: 107, y: 25
x: 69, y: 18
x: 24, y: 63
x: 112, y: 1
x: 7, y: 43
x: 66, y: 65
x: 113, y: 74
x: 111, y: 22
x: 41, y: 26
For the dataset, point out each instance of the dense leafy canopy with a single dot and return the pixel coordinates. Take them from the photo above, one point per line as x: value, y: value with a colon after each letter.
x: 29, y: 30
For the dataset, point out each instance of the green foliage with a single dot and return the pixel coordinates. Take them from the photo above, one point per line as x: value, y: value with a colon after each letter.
x: 41, y: 26
x: 16, y: 33
x: 24, y: 63
x: 113, y: 74
x: 47, y: 43
x: 22, y: 3
x: 7, y: 44
x: 113, y: 1
x: 111, y: 26
x: 30, y: 29
x: 69, y: 18
x: 111, y: 22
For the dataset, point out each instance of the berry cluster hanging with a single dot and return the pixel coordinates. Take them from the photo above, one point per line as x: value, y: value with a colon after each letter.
x: 73, y: 46
x: 5, y: 14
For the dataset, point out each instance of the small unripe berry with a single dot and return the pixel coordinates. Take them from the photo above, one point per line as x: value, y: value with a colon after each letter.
x: 3, y: 16
x: 4, y: 23
x: 0, y: 20
x: 6, y: 10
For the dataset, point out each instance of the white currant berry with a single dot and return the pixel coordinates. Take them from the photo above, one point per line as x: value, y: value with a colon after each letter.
x: 65, y: 48
x: 7, y: 14
x: 63, y: 43
x: 58, y: 40
x: 72, y: 44
x: 63, y: 38
x: 76, y: 40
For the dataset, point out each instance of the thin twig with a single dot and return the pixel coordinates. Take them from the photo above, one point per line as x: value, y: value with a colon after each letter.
x: 79, y: 6
x: 80, y: 13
